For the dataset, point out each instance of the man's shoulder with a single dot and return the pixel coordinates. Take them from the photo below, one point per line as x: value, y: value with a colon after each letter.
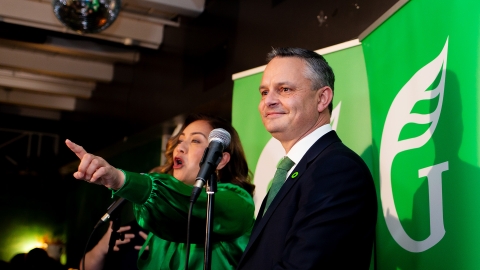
x: 333, y: 148
x: 330, y: 141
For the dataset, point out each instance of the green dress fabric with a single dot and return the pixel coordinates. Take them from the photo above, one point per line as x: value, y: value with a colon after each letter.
x: 161, y: 205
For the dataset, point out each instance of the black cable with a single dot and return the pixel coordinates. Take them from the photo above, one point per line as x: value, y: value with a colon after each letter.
x: 187, y: 244
x: 86, y: 246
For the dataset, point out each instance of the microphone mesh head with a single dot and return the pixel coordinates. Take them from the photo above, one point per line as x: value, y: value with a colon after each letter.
x: 220, y: 135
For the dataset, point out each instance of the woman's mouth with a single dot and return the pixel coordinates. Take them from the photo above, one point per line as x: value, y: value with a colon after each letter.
x: 177, y: 163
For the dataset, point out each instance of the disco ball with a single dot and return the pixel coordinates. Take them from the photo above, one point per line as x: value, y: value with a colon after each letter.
x: 86, y: 16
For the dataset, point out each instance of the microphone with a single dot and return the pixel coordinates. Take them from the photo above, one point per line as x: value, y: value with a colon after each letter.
x: 110, y: 210
x: 219, y: 139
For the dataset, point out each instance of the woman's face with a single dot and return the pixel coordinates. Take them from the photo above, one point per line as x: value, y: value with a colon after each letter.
x: 189, y: 151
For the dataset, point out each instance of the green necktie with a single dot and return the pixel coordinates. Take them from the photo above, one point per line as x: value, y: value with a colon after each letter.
x: 280, y: 176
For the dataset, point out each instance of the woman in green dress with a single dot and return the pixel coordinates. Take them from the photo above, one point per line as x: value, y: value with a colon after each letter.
x: 161, y: 200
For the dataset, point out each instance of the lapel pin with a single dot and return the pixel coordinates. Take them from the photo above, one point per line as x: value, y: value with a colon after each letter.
x: 295, y: 174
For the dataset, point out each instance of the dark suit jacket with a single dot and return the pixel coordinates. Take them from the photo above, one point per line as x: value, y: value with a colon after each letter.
x: 324, y: 218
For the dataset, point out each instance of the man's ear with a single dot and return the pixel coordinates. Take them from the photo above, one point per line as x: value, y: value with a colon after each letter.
x: 324, y: 97
x: 224, y: 161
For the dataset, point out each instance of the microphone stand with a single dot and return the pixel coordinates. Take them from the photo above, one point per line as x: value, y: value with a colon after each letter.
x: 114, y: 235
x: 211, y: 189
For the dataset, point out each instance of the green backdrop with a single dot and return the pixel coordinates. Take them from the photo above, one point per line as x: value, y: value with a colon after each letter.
x: 407, y: 103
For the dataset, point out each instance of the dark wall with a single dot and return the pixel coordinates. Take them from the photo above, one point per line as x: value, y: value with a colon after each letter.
x: 311, y: 24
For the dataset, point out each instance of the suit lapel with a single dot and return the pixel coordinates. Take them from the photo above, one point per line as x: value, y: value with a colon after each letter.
x: 317, y: 148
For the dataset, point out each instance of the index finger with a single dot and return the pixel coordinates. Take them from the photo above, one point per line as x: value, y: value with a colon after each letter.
x: 143, y: 235
x: 77, y: 149
x: 124, y: 229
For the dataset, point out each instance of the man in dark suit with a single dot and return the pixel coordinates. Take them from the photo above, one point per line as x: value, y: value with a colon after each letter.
x: 324, y: 214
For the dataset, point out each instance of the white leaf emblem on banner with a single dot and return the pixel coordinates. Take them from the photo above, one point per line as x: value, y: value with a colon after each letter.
x: 335, y: 116
x: 399, y: 115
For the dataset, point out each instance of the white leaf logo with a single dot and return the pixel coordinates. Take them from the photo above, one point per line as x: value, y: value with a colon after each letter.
x: 399, y: 115
x: 335, y: 116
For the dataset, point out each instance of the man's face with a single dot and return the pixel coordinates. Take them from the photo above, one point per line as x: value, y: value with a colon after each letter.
x: 289, y: 107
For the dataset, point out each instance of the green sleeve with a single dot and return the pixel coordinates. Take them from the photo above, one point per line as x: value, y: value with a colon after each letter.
x: 161, y: 205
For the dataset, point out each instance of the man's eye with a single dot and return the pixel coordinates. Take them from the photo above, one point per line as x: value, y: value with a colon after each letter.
x: 286, y: 89
x: 264, y: 92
